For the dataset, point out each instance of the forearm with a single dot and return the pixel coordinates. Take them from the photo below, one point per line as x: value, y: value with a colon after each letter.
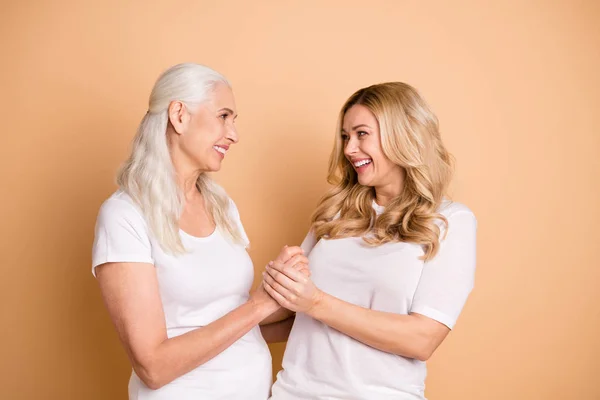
x: 179, y: 355
x: 280, y: 315
x: 403, y: 335
x: 277, y: 331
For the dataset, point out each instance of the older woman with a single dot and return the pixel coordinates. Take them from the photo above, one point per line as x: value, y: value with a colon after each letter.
x: 170, y: 253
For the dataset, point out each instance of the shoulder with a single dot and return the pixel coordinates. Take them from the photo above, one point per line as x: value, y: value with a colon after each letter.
x: 234, y: 217
x: 458, y: 215
x: 228, y: 207
x: 120, y: 206
x: 232, y: 208
x: 450, y: 208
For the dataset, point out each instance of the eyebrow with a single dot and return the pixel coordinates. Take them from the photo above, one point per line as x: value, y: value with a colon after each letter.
x: 357, y: 126
x: 230, y: 112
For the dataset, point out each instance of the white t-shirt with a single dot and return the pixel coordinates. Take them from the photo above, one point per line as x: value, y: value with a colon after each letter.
x: 197, y: 288
x: 322, y: 363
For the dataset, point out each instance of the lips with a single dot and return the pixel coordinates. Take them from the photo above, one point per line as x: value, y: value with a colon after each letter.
x: 221, y: 149
x: 361, y: 162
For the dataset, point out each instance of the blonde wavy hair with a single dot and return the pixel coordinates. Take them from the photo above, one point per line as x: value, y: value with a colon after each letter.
x: 410, y: 138
x: 148, y: 175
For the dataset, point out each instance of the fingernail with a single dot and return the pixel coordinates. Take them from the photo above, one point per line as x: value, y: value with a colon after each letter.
x: 270, y: 263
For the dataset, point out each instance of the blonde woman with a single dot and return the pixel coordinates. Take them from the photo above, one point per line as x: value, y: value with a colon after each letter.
x: 392, y: 260
x: 170, y: 253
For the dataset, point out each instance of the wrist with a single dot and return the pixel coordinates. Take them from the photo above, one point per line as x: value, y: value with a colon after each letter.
x: 318, y: 305
x: 261, y: 309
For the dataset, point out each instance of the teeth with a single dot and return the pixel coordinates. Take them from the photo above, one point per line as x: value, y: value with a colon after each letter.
x: 219, y: 149
x: 361, y: 163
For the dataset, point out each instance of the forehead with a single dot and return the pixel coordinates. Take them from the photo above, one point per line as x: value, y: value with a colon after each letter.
x: 359, y: 115
x: 222, y: 96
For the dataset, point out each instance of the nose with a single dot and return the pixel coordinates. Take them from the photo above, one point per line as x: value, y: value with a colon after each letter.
x: 232, y: 134
x: 351, y: 146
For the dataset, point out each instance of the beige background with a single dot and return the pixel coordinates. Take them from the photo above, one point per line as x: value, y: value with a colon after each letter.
x: 515, y: 85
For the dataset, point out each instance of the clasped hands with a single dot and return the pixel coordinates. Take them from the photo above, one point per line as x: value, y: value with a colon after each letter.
x: 287, y: 280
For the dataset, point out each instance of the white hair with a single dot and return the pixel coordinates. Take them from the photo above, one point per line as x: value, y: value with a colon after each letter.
x: 148, y: 175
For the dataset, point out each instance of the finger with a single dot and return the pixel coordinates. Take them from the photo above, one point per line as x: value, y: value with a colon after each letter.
x: 289, y: 272
x: 282, y: 279
x: 276, y: 296
x: 281, y: 289
x: 302, y: 268
x: 300, y: 265
x: 288, y: 252
x: 297, y: 259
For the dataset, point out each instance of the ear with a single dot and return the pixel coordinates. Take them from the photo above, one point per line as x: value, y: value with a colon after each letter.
x: 179, y: 117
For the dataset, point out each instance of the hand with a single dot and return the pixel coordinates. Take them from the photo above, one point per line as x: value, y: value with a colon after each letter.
x: 291, y: 288
x: 263, y: 301
x: 288, y: 253
x: 294, y: 258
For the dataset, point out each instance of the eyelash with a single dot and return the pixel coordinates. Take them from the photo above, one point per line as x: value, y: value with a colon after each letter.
x: 224, y: 116
x: 360, y: 134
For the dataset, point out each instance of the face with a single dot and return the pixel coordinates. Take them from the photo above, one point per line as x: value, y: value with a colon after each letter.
x: 205, y: 135
x: 362, y: 147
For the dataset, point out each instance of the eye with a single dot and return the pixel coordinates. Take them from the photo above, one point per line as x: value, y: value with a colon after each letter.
x: 224, y: 116
x: 344, y: 137
x: 362, y: 133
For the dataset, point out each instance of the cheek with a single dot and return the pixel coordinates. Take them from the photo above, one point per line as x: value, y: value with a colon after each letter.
x: 374, y: 151
x: 215, y: 132
x: 207, y: 132
x: 382, y: 163
x: 198, y: 141
x: 196, y: 144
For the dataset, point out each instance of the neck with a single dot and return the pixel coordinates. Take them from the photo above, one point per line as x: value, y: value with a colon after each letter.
x: 384, y: 194
x: 187, y: 183
x: 186, y: 174
x: 384, y: 198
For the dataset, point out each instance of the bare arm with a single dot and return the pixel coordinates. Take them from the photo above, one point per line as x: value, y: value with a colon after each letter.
x: 280, y: 315
x: 277, y: 331
x: 412, y: 336
x: 130, y: 292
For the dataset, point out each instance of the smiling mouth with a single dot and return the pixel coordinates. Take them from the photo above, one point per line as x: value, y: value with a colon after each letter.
x: 221, y: 150
x: 362, y: 163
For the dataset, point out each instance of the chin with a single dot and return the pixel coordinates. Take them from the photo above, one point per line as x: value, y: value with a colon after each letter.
x: 365, y: 181
x: 214, y: 165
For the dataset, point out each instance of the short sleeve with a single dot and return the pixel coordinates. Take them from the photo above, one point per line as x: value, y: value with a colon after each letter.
x: 237, y: 220
x: 308, y: 243
x: 121, y: 235
x: 448, y: 279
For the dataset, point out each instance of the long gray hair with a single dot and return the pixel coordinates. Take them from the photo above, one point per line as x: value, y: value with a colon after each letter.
x: 148, y: 175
